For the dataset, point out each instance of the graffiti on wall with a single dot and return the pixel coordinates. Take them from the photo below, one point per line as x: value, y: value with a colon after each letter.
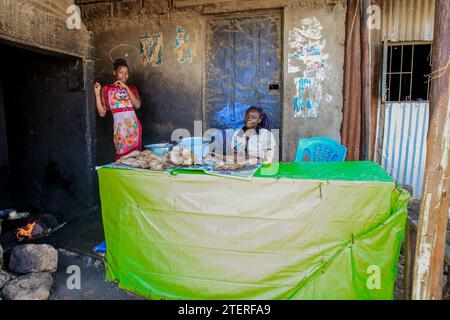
x: 183, y: 48
x: 307, y: 57
x: 152, y: 49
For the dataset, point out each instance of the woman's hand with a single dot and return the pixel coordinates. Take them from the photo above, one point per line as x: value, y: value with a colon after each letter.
x: 121, y: 85
x: 134, y: 100
x: 98, y: 100
x: 97, y: 88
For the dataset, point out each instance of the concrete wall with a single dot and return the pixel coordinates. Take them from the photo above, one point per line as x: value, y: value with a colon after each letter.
x: 328, y: 22
x: 173, y: 93
x: 42, y: 24
x: 59, y: 169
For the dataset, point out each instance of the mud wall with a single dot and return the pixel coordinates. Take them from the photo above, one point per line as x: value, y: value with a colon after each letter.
x: 313, y: 73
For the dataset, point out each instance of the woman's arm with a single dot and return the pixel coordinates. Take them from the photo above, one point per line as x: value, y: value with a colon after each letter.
x: 134, y: 99
x: 268, y: 146
x: 98, y: 100
x: 238, y: 141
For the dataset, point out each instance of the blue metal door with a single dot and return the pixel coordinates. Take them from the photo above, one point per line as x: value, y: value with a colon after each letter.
x: 244, y: 69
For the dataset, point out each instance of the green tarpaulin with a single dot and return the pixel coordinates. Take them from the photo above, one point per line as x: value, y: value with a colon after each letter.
x: 294, y: 231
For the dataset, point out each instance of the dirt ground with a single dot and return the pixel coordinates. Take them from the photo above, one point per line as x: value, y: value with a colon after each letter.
x: 413, y: 212
x: 94, y: 287
x: 92, y: 280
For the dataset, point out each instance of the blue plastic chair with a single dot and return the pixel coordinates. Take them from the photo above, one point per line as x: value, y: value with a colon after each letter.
x: 320, y: 149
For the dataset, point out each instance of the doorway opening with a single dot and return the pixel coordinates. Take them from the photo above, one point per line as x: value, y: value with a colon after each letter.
x: 43, y: 163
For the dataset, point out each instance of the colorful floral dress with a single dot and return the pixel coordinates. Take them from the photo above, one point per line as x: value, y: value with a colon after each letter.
x: 127, y: 128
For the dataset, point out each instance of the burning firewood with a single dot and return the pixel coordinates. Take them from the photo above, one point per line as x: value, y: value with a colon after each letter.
x: 32, y: 230
x: 27, y: 229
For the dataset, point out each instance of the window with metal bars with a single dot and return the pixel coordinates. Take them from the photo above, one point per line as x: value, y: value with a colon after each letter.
x: 406, y: 72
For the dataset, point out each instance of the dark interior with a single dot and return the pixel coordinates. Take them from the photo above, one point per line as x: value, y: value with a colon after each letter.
x: 410, y: 60
x: 43, y: 149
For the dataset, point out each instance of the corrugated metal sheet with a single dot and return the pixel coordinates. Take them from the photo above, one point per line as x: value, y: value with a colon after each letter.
x: 405, y: 143
x: 408, y: 20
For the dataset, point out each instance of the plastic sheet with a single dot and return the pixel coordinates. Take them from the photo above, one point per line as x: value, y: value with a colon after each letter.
x: 293, y: 234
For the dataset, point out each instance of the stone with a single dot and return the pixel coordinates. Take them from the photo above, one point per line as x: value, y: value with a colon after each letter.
x: 33, y: 258
x: 4, y: 278
x: 32, y: 286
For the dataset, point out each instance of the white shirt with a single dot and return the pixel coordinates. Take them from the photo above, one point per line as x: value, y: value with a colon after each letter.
x: 260, y: 146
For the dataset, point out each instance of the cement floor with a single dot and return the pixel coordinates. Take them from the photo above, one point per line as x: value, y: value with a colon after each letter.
x: 92, y: 280
x: 75, y: 242
x: 80, y: 235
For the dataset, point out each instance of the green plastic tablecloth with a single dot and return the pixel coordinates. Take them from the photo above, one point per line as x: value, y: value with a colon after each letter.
x: 294, y: 231
x: 344, y: 171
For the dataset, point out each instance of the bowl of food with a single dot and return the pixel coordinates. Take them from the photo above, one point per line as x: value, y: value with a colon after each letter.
x: 159, y: 148
x: 197, y: 145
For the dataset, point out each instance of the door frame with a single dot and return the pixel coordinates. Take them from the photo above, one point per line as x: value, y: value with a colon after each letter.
x: 244, y: 14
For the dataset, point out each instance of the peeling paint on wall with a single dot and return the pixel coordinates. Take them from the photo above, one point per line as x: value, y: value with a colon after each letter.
x: 152, y: 48
x: 307, y: 56
x: 183, y: 47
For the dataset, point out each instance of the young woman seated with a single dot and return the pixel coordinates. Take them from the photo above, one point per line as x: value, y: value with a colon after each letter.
x: 254, y: 142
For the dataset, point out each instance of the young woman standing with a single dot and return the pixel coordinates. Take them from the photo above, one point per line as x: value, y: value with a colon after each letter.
x: 121, y: 99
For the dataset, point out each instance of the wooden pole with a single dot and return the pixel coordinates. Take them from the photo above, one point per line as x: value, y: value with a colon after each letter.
x: 409, y: 249
x: 371, y: 57
x: 433, y: 218
x: 365, y: 81
x: 351, y: 111
x: 376, y: 66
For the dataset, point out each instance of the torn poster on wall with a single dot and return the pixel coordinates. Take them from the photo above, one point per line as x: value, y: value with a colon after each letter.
x: 183, y: 48
x: 306, y: 55
x: 308, y: 97
x: 152, y: 48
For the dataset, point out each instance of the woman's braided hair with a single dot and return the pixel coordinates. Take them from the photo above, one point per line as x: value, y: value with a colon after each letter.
x: 119, y: 63
x: 264, y: 119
